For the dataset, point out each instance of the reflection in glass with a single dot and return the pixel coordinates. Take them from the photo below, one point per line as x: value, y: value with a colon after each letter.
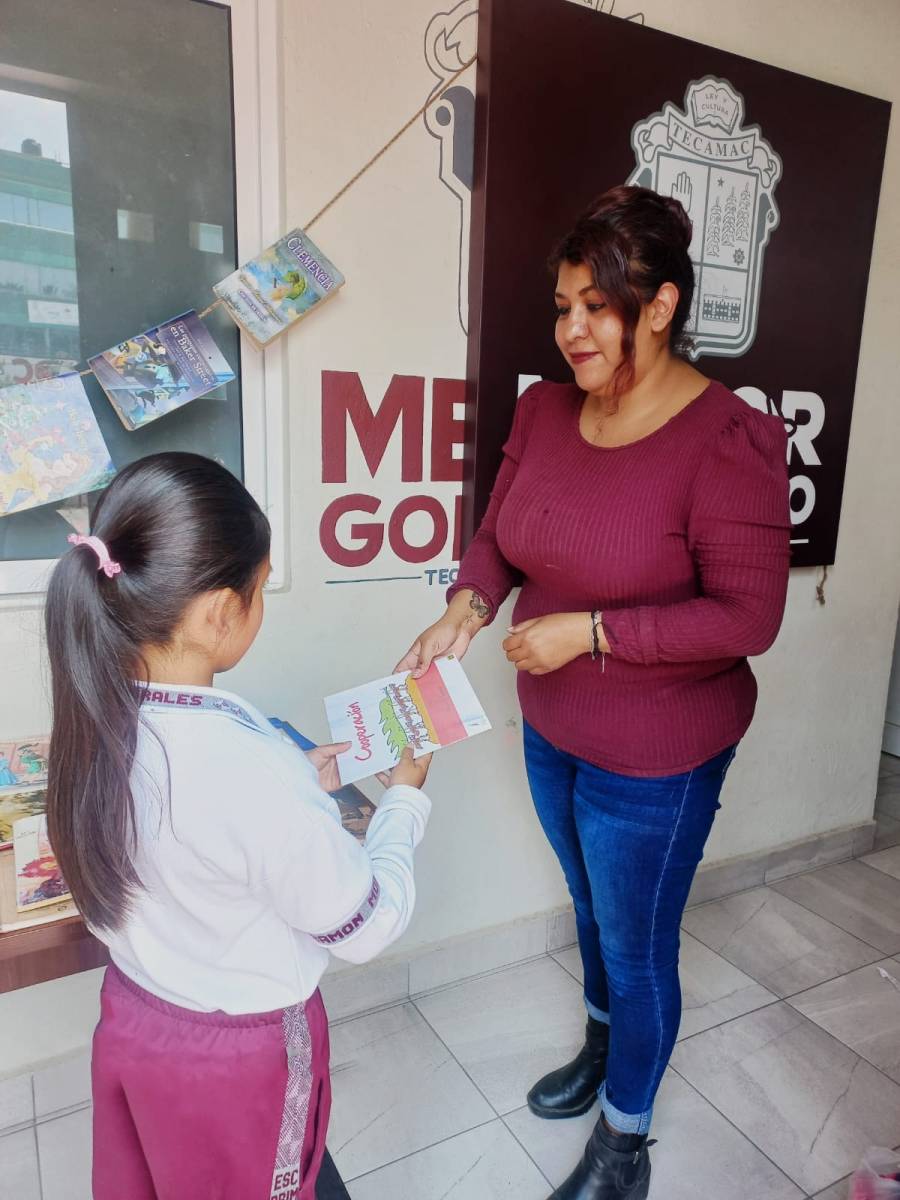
x: 38, y: 283
x: 208, y: 238
x: 117, y: 195
x: 134, y: 226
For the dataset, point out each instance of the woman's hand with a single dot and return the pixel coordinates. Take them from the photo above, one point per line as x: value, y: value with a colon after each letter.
x: 545, y: 644
x: 452, y: 634
x: 445, y: 636
x: 324, y: 759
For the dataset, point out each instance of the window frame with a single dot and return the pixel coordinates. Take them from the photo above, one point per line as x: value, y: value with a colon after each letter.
x: 258, y: 123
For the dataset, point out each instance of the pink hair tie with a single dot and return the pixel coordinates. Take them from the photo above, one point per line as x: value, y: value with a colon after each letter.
x: 106, y: 564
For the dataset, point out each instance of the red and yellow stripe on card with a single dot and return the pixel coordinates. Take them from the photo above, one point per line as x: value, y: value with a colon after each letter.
x: 431, y: 698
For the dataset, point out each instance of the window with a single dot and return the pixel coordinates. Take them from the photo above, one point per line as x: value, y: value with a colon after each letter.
x: 209, y: 238
x: 91, y: 160
x: 43, y: 214
x: 37, y: 280
x: 134, y: 226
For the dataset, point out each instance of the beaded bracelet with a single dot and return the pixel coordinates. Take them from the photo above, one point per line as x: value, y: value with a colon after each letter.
x: 596, y: 620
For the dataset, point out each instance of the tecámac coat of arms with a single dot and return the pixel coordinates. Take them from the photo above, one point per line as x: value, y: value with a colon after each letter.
x: 725, y: 175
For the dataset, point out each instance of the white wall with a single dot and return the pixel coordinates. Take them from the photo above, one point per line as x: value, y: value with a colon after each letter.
x: 354, y: 73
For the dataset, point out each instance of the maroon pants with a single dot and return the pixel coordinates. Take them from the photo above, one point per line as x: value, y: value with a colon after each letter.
x: 194, y: 1105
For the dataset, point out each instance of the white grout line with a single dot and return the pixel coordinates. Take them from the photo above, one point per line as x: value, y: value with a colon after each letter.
x: 403, y: 1157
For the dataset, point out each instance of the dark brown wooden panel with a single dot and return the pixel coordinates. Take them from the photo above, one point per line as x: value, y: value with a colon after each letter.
x: 49, y: 951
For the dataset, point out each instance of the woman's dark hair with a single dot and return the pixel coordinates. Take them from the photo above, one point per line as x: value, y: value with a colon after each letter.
x: 634, y: 240
x: 179, y: 525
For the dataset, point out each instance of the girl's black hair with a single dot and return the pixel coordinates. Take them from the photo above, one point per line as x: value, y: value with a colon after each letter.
x: 179, y: 525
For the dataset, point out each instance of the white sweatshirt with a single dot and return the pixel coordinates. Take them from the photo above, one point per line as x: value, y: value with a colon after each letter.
x: 248, y: 874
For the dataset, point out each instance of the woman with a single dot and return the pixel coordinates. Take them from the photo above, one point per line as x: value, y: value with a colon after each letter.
x: 644, y: 510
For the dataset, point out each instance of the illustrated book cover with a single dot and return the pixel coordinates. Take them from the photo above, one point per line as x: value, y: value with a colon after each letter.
x: 268, y: 294
x: 51, y: 447
x: 23, y: 763
x: 36, y: 914
x: 39, y: 880
x: 17, y: 804
x: 382, y: 718
x: 160, y: 370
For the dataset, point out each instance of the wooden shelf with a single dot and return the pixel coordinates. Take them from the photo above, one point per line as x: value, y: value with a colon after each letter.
x: 49, y: 951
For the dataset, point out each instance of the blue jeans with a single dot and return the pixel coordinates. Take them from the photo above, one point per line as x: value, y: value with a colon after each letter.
x: 629, y: 848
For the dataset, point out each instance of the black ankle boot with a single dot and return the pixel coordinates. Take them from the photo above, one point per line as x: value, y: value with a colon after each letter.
x: 614, y: 1166
x: 571, y: 1090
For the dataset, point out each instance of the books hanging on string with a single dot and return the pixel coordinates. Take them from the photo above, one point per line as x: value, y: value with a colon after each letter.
x: 268, y: 294
x: 160, y: 370
x: 382, y: 718
x: 51, y: 446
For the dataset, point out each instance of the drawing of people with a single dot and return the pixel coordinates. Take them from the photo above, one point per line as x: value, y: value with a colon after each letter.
x: 7, y: 779
x: 34, y: 763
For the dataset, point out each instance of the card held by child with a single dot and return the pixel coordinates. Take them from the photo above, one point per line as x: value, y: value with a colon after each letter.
x: 382, y: 718
x: 162, y: 369
x: 270, y: 292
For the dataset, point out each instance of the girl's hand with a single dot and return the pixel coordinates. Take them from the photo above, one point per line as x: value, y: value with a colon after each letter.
x: 446, y: 636
x: 409, y: 770
x: 324, y: 759
x: 545, y: 644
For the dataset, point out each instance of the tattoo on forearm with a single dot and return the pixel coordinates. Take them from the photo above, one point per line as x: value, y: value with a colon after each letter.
x: 478, y: 607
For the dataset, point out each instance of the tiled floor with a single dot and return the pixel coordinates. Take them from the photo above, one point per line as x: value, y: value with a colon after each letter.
x: 787, y: 1066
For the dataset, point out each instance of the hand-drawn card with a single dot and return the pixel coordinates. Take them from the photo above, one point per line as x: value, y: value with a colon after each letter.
x: 382, y: 718
x: 15, y: 805
x: 39, y: 880
x: 51, y: 447
x: 160, y: 370
x: 270, y: 292
x: 23, y: 763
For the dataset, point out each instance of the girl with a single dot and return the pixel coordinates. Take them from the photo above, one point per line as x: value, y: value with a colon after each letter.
x: 203, y: 849
x: 644, y: 509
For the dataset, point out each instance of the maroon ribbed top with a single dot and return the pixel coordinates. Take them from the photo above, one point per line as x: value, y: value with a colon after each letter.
x: 682, y: 539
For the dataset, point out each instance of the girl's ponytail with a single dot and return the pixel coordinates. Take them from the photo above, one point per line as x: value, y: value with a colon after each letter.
x: 95, y: 703
x: 178, y: 525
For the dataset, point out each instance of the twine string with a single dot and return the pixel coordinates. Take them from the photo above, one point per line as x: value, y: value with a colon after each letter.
x: 390, y: 142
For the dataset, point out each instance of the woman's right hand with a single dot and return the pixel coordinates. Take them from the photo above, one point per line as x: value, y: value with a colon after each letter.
x: 446, y: 636
x: 466, y: 614
x: 410, y: 771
